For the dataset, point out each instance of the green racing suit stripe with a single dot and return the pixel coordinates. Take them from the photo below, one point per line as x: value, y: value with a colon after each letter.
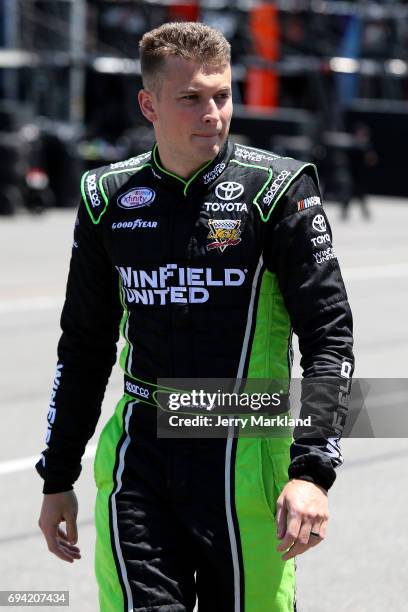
x: 108, y: 469
x: 261, y: 464
x: 268, y: 357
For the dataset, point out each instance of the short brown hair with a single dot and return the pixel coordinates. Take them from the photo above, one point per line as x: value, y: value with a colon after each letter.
x: 188, y: 40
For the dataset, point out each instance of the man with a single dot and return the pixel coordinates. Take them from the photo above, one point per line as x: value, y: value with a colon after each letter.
x: 206, y: 254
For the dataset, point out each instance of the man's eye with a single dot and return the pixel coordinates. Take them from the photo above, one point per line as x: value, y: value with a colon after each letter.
x: 223, y: 96
x: 189, y: 97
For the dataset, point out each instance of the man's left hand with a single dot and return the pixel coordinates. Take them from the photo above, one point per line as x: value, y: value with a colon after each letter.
x: 301, y: 517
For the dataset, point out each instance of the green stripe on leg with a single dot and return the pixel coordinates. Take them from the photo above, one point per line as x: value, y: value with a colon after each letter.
x: 110, y: 590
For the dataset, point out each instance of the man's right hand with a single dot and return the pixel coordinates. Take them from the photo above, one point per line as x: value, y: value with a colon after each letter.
x: 57, y: 508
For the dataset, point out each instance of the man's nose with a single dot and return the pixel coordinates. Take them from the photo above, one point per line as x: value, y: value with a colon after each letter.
x: 211, y: 114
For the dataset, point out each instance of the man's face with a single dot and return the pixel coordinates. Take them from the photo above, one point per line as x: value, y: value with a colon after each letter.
x: 191, y: 113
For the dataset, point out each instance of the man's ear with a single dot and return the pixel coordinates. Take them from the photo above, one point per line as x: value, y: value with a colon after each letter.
x: 147, y: 104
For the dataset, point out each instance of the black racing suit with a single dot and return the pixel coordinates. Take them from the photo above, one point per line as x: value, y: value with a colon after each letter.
x: 206, y: 278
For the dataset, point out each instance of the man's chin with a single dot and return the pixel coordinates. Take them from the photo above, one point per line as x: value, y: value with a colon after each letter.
x: 208, y: 150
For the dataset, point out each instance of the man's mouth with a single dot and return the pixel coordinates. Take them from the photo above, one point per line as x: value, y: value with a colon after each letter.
x: 208, y: 135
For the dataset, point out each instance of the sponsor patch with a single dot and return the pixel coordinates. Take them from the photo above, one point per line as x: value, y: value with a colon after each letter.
x: 225, y: 207
x: 213, y: 174
x: 223, y: 233
x: 323, y: 239
x: 173, y: 284
x: 129, y: 163
x: 276, y: 185
x: 137, y: 390
x: 309, y: 202
x: 135, y: 224
x: 319, y: 223
x: 136, y: 198
x: 325, y: 255
x: 92, y: 190
x: 253, y: 156
x: 229, y: 190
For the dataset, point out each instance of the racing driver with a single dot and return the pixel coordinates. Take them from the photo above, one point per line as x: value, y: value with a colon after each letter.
x: 205, y: 254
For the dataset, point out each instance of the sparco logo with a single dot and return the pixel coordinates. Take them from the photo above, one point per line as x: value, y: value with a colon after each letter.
x: 229, y: 190
x: 171, y: 284
x: 274, y: 188
x: 92, y: 190
x: 137, y: 198
x: 211, y: 176
x: 225, y: 207
x: 136, y: 390
x: 319, y: 224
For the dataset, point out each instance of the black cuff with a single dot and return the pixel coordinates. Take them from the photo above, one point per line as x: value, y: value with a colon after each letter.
x: 56, y: 487
x: 311, y: 468
x: 56, y: 482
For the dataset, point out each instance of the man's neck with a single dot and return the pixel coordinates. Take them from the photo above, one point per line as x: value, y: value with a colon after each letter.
x: 181, y: 169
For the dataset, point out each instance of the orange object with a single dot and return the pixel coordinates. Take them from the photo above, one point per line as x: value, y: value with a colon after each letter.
x: 262, y: 84
x: 261, y: 88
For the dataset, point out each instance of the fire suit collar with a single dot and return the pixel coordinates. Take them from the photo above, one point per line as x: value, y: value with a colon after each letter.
x: 200, y: 180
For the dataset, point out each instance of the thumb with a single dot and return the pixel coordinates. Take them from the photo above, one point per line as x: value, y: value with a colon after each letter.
x: 72, y: 531
x: 281, y: 516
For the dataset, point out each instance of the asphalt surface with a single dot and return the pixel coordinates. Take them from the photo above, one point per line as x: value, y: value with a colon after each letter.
x: 363, y: 564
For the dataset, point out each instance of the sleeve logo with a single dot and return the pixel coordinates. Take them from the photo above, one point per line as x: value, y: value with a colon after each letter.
x: 309, y: 202
x: 319, y: 223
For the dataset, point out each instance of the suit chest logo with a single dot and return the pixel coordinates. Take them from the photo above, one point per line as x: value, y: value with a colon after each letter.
x: 223, y: 233
x: 229, y: 190
x: 136, y: 198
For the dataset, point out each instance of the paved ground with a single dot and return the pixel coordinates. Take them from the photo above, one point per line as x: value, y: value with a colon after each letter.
x: 362, y: 566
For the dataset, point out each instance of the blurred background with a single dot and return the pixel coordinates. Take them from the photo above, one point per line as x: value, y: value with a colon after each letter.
x: 322, y: 80
x: 319, y: 80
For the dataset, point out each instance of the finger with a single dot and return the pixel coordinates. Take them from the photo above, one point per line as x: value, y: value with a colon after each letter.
x: 315, y: 536
x: 69, y: 551
x: 68, y: 546
x: 63, y: 550
x: 55, y: 547
x: 292, y: 532
x: 323, y: 528
x: 61, y: 533
x: 72, y: 532
x: 61, y: 554
x: 281, y: 518
x: 63, y: 536
x: 305, y: 540
x: 294, y: 551
x: 50, y: 535
x: 302, y: 542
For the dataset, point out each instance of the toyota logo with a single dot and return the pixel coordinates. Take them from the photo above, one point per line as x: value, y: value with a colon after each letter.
x: 229, y: 190
x: 319, y: 224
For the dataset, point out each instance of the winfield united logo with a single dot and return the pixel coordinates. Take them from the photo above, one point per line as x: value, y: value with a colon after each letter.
x: 136, y: 198
x: 229, y: 190
x: 223, y: 233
